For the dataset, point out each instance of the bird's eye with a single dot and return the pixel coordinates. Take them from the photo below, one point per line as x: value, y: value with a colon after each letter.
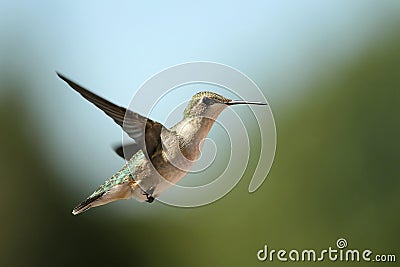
x: 206, y: 100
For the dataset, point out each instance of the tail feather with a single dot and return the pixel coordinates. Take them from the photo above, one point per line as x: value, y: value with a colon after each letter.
x: 115, y: 192
x: 85, y: 205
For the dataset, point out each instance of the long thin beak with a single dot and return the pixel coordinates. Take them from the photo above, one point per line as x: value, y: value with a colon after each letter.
x: 238, y: 102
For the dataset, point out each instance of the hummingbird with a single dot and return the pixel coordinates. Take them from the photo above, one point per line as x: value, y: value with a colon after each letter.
x: 158, y: 157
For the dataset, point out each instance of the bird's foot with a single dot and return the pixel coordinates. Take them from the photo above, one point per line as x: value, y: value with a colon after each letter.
x: 150, y: 199
x: 149, y: 195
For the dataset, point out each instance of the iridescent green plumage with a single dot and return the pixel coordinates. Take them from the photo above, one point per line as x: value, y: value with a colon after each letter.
x: 125, y: 175
x: 211, y: 95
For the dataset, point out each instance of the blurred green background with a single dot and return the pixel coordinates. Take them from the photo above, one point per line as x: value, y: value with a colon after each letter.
x: 330, y: 72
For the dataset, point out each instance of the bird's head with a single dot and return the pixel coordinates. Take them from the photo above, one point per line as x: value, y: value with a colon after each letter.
x: 209, y: 104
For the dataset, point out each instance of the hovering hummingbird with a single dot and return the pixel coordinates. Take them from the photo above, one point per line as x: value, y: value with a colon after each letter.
x: 159, y: 157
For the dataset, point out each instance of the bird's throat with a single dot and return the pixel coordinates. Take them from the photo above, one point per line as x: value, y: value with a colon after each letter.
x: 192, y: 132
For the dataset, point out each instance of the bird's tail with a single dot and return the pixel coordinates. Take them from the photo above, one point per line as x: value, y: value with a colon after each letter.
x: 85, y: 205
x: 113, y: 193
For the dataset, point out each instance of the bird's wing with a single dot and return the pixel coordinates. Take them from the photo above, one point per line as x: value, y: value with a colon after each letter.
x: 126, y: 151
x: 143, y: 130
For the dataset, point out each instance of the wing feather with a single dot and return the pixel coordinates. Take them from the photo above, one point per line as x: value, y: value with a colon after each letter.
x: 144, y: 131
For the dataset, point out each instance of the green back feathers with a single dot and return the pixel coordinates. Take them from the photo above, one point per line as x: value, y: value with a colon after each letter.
x: 199, y: 95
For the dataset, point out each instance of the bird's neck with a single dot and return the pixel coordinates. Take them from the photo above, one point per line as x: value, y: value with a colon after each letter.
x: 192, y: 131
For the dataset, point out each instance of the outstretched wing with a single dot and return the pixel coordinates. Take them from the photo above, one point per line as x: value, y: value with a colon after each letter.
x: 144, y: 131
